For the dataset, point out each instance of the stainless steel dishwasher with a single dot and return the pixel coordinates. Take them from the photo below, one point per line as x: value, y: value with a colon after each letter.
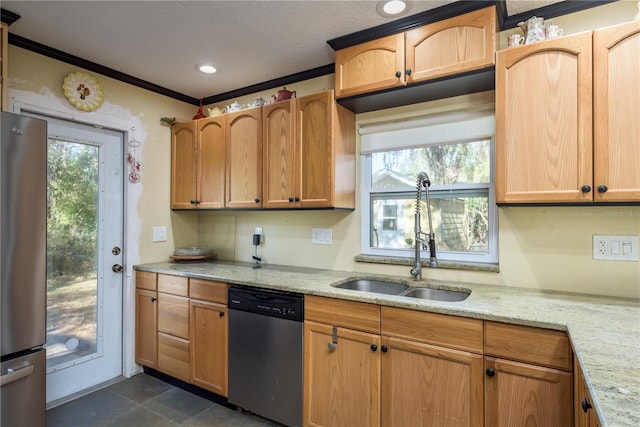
x: 265, y: 353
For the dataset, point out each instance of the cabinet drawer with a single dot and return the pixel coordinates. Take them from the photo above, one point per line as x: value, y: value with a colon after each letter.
x: 349, y: 314
x: 146, y: 280
x: 528, y: 344
x: 208, y: 290
x: 449, y: 331
x: 176, y: 285
x: 174, y: 356
x: 173, y: 315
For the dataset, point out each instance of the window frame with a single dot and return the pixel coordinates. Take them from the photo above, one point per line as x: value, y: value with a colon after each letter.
x: 435, y: 191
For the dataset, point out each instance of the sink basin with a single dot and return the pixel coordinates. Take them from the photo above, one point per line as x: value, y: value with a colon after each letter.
x: 436, y: 294
x: 376, y: 286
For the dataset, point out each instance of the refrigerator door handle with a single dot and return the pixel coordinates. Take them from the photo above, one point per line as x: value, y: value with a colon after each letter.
x: 13, y: 376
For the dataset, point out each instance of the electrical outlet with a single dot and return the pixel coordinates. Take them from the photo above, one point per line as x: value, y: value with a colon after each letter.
x: 617, y: 248
x: 321, y: 236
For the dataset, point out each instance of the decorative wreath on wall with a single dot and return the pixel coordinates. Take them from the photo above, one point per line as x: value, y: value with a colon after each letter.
x: 83, y: 91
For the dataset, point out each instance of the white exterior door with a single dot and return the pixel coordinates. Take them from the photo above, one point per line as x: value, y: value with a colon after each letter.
x: 84, y: 257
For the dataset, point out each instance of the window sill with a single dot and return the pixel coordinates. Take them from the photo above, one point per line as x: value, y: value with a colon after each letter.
x: 452, y: 265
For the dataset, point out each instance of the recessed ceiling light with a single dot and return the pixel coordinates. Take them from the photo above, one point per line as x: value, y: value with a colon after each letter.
x: 392, y: 8
x: 207, y: 69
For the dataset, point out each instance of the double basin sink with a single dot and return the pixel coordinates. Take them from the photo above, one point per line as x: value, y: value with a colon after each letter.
x: 401, y: 289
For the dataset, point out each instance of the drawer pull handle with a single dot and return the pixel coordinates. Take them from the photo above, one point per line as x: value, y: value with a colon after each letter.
x: 333, y: 345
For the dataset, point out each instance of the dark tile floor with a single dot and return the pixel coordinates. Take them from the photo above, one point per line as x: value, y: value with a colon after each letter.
x: 144, y: 400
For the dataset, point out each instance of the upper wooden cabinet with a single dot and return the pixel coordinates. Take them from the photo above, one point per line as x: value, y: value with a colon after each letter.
x: 543, y: 121
x: 616, y: 104
x: 244, y: 159
x: 183, y: 166
x: 370, y: 66
x: 456, y: 45
x: 309, y: 153
x: 198, y: 164
x: 552, y: 98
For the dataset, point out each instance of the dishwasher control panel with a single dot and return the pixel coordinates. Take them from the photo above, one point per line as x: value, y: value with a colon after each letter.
x: 284, y: 305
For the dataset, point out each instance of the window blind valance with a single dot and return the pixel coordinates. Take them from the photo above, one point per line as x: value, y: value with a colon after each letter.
x: 440, y: 129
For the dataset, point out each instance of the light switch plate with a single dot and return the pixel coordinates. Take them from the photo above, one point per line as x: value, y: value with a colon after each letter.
x: 321, y: 236
x: 617, y: 248
x: 159, y: 234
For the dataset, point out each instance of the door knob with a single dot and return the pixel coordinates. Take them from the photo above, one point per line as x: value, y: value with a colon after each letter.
x: 117, y: 268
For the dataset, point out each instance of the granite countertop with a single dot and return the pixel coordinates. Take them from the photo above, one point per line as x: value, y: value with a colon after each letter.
x: 604, y: 331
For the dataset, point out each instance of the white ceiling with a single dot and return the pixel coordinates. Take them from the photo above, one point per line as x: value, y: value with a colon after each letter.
x: 249, y: 42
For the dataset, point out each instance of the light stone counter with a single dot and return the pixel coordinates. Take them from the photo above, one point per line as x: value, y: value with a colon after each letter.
x: 604, y: 332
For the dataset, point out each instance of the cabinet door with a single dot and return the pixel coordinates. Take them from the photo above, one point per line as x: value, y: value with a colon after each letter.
x: 370, y: 66
x: 211, y: 163
x: 518, y: 394
x: 342, y: 386
x: 278, y: 138
x: 183, y: 166
x: 464, y: 43
x: 544, y: 122
x: 146, y: 327
x: 616, y: 106
x: 425, y: 385
x: 315, y: 148
x: 244, y: 159
x: 583, y: 411
x: 209, y: 334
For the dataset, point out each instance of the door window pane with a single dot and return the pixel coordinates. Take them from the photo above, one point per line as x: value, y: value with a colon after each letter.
x: 72, y: 212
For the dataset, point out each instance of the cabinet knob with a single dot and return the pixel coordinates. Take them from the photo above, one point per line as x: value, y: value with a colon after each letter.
x: 256, y: 200
x: 193, y: 202
x: 602, y: 188
x: 374, y: 347
x: 290, y: 199
x: 398, y: 74
x: 490, y: 372
x: 586, y: 188
x: 408, y: 71
x: 221, y: 313
x: 585, y: 405
x: 384, y: 348
x: 153, y: 299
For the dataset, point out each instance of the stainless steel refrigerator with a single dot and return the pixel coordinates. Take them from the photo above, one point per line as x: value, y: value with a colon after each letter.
x: 23, y: 294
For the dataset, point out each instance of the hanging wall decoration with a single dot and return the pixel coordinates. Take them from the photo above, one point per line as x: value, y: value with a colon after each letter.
x: 83, y: 91
x: 135, y: 166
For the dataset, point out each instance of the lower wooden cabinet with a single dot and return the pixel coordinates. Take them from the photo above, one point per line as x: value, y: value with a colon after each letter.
x: 146, y: 327
x: 181, y: 329
x: 528, y: 376
x: 427, y: 385
x: 583, y: 411
x: 174, y: 356
x: 342, y: 383
x: 209, y: 332
x: 519, y: 394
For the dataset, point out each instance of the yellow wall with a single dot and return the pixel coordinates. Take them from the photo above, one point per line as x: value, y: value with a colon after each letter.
x: 542, y: 247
